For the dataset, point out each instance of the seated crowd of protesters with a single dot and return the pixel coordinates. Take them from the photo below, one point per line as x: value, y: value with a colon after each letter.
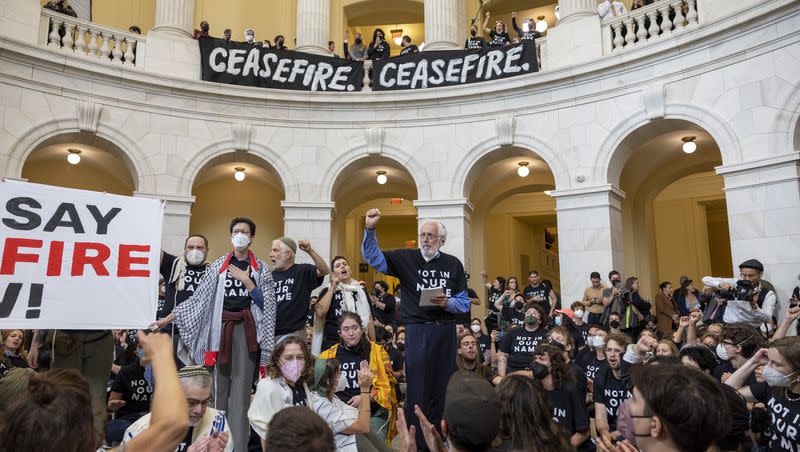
x: 694, y: 370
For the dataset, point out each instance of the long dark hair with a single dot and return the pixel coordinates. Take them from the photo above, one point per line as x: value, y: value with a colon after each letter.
x: 559, y: 369
x: 526, y: 417
x: 375, y: 35
x: 275, y: 365
x: 364, y: 346
x: 54, y: 412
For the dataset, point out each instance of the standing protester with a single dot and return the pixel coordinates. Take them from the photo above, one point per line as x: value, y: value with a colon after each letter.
x: 293, y: 285
x: 474, y: 42
x: 279, y: 43
x: 250, y: 37
x: 226, y: 35
x: 666, y: 309
x: 208, y: 428
x: 341, y: 296
x: 202, y: 32
x: 408, y: 48
x: 291, y: 368
x: 181, y: 278
x: 611, y: 387
x: 60, y: 6
x: 378, y: 48
x: 431, y: 342
x: 353, y: 349
x: 593, y: 299
x: 498, y: 34
x: 530, y: 35
x: 610, y: 9
x: 495, y: 291
x: 382, y: 303
x: 611, y: 297
x: 636, y: 309
x: 357, y: 51
x: 516, y: 350
x: 332, y: 49
x: 540, y: 293
x: 231, y: 315
x: 130, y: 396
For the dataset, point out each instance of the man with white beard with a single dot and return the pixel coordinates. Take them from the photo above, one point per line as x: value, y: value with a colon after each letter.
x: 430, y: 328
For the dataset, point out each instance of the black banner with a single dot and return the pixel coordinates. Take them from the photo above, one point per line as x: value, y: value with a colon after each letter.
x: 239, y: 63
x: 454, y: 67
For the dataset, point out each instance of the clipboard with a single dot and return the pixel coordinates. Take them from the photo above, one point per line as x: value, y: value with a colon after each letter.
x: 429, y: 293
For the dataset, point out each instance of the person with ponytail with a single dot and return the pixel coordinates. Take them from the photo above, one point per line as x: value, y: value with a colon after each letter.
x: 290, y: 369
x: 352, y: 350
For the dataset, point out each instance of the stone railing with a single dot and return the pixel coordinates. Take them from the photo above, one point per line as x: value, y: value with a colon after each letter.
x: 649, y: 23
x: 90, y: 40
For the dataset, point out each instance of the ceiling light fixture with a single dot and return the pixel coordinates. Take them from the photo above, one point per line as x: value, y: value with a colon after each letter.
x: 239, y: 174
x: 382, y: 177
x: 397, y: 35
x: 541, y: 25
x: 74, y: 156
x: 689, y: 146
x: 523, y: 169
x: 547, y: 192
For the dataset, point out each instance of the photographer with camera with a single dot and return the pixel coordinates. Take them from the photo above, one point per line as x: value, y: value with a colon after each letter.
x: 750, y: 299
x: 382, y: 303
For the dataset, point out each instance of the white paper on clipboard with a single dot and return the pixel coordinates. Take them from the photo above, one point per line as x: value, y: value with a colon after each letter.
x: 428, y: 294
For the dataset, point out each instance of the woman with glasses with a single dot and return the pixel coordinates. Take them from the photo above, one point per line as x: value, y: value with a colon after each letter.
x: 285, y: 386
x: 353, y: 349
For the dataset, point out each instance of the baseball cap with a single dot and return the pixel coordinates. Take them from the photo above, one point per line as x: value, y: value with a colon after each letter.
x: 568, y: 312
x: 471, y: 409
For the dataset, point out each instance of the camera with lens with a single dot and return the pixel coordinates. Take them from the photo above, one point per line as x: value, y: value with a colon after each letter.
x: 743, y: 291
x: 518, y: 305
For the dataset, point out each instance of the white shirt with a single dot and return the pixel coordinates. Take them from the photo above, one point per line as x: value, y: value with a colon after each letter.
x: 339, y: 416
x: 609, y: 10
x: 741, y: 311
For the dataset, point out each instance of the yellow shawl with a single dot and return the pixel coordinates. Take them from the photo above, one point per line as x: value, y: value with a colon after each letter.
x: 383, y: 382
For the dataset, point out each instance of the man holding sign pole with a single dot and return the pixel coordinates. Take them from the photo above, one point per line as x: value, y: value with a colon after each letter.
x: 230, y: 316
x: 434, y: 287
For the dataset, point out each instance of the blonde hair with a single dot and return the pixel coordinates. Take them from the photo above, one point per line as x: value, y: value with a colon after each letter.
x: 5, y: 333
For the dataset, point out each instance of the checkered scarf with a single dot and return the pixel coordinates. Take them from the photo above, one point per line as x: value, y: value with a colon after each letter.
x: 199, y: 318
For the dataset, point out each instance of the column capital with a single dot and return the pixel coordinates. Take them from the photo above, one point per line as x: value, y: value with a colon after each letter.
x: 608, y: 195
x: 310, y: 211
x: 174, y: 17
x: 449, y: 208
x: 768, y: 171
x: 444, y: 24
x: 313, y: 26
x: 175, y: 204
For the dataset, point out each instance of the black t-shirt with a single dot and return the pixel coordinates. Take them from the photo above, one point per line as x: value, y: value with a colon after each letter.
x: 529, y: 35
x: 135, y: 392
x: 785, y: 416
x: 484, y: 344
x: 591, y: 364
x: 378, y: 51
x: 299, y: 396
x: 611, y: 392
x: 519, y: 344
x: 396, y: 358
x: 474, y: 43
x: 584, y: 330
x: 415, y: 274
x: 236, y: 295
x: 494, y: 295
x: 191, y: 279
x: 499, y: 39
x: 385, y: 315
x: 543, y: 291
x: 349, y: 364
x: 581, y: 384
x: 511, y: 316
x: 569, y: 409
x: 727, y: 367
x: 293, y: 288
x: 330, y: 334
x: 187, y: 441
x: 409, y: 49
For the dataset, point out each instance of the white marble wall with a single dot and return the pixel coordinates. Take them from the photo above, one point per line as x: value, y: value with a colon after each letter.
x: 737, y: 78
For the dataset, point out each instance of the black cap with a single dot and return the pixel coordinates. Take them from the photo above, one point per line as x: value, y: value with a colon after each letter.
x: 471, y: 408
x: 752, y: 263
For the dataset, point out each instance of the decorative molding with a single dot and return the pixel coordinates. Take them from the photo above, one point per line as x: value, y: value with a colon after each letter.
x: 654, y: 98
x: 88, y: 114
x: 374, y: 137
x: 242, y: 134
x: 505, y: 130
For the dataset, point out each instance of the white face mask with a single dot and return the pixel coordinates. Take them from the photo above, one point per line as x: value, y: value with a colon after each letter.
x: 596, y: 341
x: 195, y: 257
x: 475, y: 328
x: 341, y: 384
x: 776, y: 379
x: 240, y: 241
x: 721, y: 352
x: 579, y: 314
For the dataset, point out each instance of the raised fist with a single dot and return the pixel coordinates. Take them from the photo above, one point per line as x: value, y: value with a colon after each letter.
x: 373, y: 216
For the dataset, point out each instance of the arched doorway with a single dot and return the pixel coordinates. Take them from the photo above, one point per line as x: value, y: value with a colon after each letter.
x: 513, y: 218
x: 99, y: 164
x: 405, y: 17
x: 674, y: 216
x: 355, y: 190
x: 221, y: 196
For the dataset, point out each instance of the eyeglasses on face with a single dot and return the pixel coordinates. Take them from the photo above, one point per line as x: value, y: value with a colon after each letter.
x: 194, y: 402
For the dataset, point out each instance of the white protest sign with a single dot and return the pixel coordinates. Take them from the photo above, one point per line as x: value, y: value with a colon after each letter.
x: 77, y: 259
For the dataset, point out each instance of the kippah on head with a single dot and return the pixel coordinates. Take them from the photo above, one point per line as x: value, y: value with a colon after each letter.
x: 288, y: 242
x: 193, y: 371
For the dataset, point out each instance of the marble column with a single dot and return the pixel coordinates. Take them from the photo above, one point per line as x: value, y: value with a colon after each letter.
x: 313, y: 26
x: 445, y: 24
x: 589, y: 236
x: 177, y: 214
x: 573, y: 9
x: 456, y: 215
x: 175, y: 17
x: 577, y: 36
x: 763, y: 202
x: 309, y: 221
